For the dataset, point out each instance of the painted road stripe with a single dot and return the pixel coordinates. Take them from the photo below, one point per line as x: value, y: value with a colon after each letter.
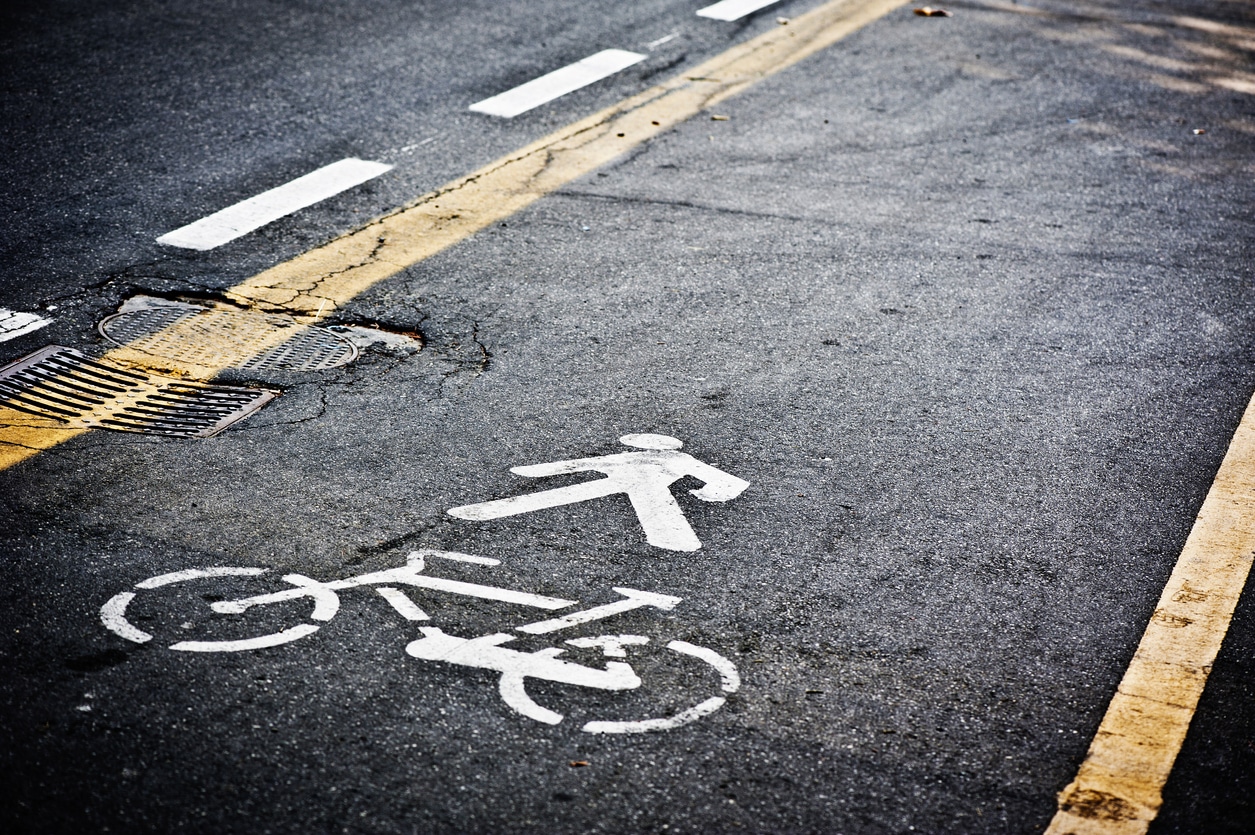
x: 557, y: 83
x: 314, y: 284
x: 267, y: 207
x: 734, y: 9
x: 1117, y: 790
x: 14, y: 323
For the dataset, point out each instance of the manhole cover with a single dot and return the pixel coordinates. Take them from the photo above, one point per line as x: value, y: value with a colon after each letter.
x: 220, y: 337
x: 65, y: 385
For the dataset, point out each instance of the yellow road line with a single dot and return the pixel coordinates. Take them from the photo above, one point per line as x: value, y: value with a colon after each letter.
x: 1117, y: 790
x: 23, y: 435
x: 313, y: 284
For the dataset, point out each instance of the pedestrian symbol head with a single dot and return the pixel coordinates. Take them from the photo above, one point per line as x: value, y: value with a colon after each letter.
x: 646, y: 440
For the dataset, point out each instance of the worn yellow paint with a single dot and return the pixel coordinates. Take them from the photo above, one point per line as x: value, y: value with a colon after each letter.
x: 313, y: 284
x: 1117, y: 790
x: 23, y: 435
x: 202, y: 346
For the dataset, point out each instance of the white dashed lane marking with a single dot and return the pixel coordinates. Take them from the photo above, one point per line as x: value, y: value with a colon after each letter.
x: 734, y: 9
x: 14, y: 323
x: 557, y: 83
x: 267, y: 207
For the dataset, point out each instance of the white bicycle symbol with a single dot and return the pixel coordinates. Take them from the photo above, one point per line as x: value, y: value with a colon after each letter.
x: 483, y: 652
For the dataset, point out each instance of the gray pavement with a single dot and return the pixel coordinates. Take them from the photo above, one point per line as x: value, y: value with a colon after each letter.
x: 966, y: 300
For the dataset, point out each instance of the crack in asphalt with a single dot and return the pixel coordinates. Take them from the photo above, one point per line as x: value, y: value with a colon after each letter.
x: 686, y: 204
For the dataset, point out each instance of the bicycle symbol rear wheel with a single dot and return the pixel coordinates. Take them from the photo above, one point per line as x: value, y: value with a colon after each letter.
x: 114, y: 614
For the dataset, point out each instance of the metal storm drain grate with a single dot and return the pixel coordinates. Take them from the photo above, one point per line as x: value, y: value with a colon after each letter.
x: 63, y: 384
x: 221, y: 337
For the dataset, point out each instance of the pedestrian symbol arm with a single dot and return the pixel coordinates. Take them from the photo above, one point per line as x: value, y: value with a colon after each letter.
x: 720, y: 486
x: 582, y: 465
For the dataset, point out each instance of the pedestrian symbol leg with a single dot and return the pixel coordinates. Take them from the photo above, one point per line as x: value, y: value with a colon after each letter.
x: 662, y: 519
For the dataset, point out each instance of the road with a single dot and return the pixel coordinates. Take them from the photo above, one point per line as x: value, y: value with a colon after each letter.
x: 952, y: 317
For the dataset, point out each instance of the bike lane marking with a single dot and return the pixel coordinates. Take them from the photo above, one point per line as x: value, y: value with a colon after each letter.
x: 312, y: 285
x: 1118, y: 788
x: 482, y: 652
x: 248, y: 215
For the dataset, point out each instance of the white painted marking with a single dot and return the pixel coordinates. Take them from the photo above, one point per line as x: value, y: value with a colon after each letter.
x: 486, y: 653
x: 557, y: 83
x: 482, y: 652
x: 405, y: 607
x: 255, y: 212
x: 513, y: 692
x: 729, y: 10
x: 646, y: 725
x: 14, y: 323
x: 633, y: 599
x: 727, y: 670
x: 113, y: 616
x: 113, y: 613
x: 196, y: 573
x: 646, y: 477
x: 408, y: 575
x: 326, y: 601
x: 731, y: 683
x: 612, y: 646
x: 455, y: 556
x: 664, y: 39
x: 273, y: 640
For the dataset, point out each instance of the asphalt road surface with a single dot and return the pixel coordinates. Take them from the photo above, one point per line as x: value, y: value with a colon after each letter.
x: 958, y: 309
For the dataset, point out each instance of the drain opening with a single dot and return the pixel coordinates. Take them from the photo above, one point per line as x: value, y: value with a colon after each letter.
x: 223, y: 337
x: 63, y: 384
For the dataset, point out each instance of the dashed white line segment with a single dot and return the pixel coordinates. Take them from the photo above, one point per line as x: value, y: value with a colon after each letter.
x: 558, y: 83
x: 14, y: 323
x: 255, y: 212
x: 733, y: 9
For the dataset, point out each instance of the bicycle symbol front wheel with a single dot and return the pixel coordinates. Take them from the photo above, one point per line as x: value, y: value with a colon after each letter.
x: 617, y: 677
x: 730, y: 682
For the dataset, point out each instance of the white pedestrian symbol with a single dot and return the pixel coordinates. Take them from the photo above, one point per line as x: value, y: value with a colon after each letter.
x: 646, y: 477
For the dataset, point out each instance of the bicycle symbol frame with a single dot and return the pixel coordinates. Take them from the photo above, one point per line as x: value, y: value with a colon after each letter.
x: 483, y: 652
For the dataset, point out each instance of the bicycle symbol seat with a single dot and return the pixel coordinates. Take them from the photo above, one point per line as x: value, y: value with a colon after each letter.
x: 484, y: 652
